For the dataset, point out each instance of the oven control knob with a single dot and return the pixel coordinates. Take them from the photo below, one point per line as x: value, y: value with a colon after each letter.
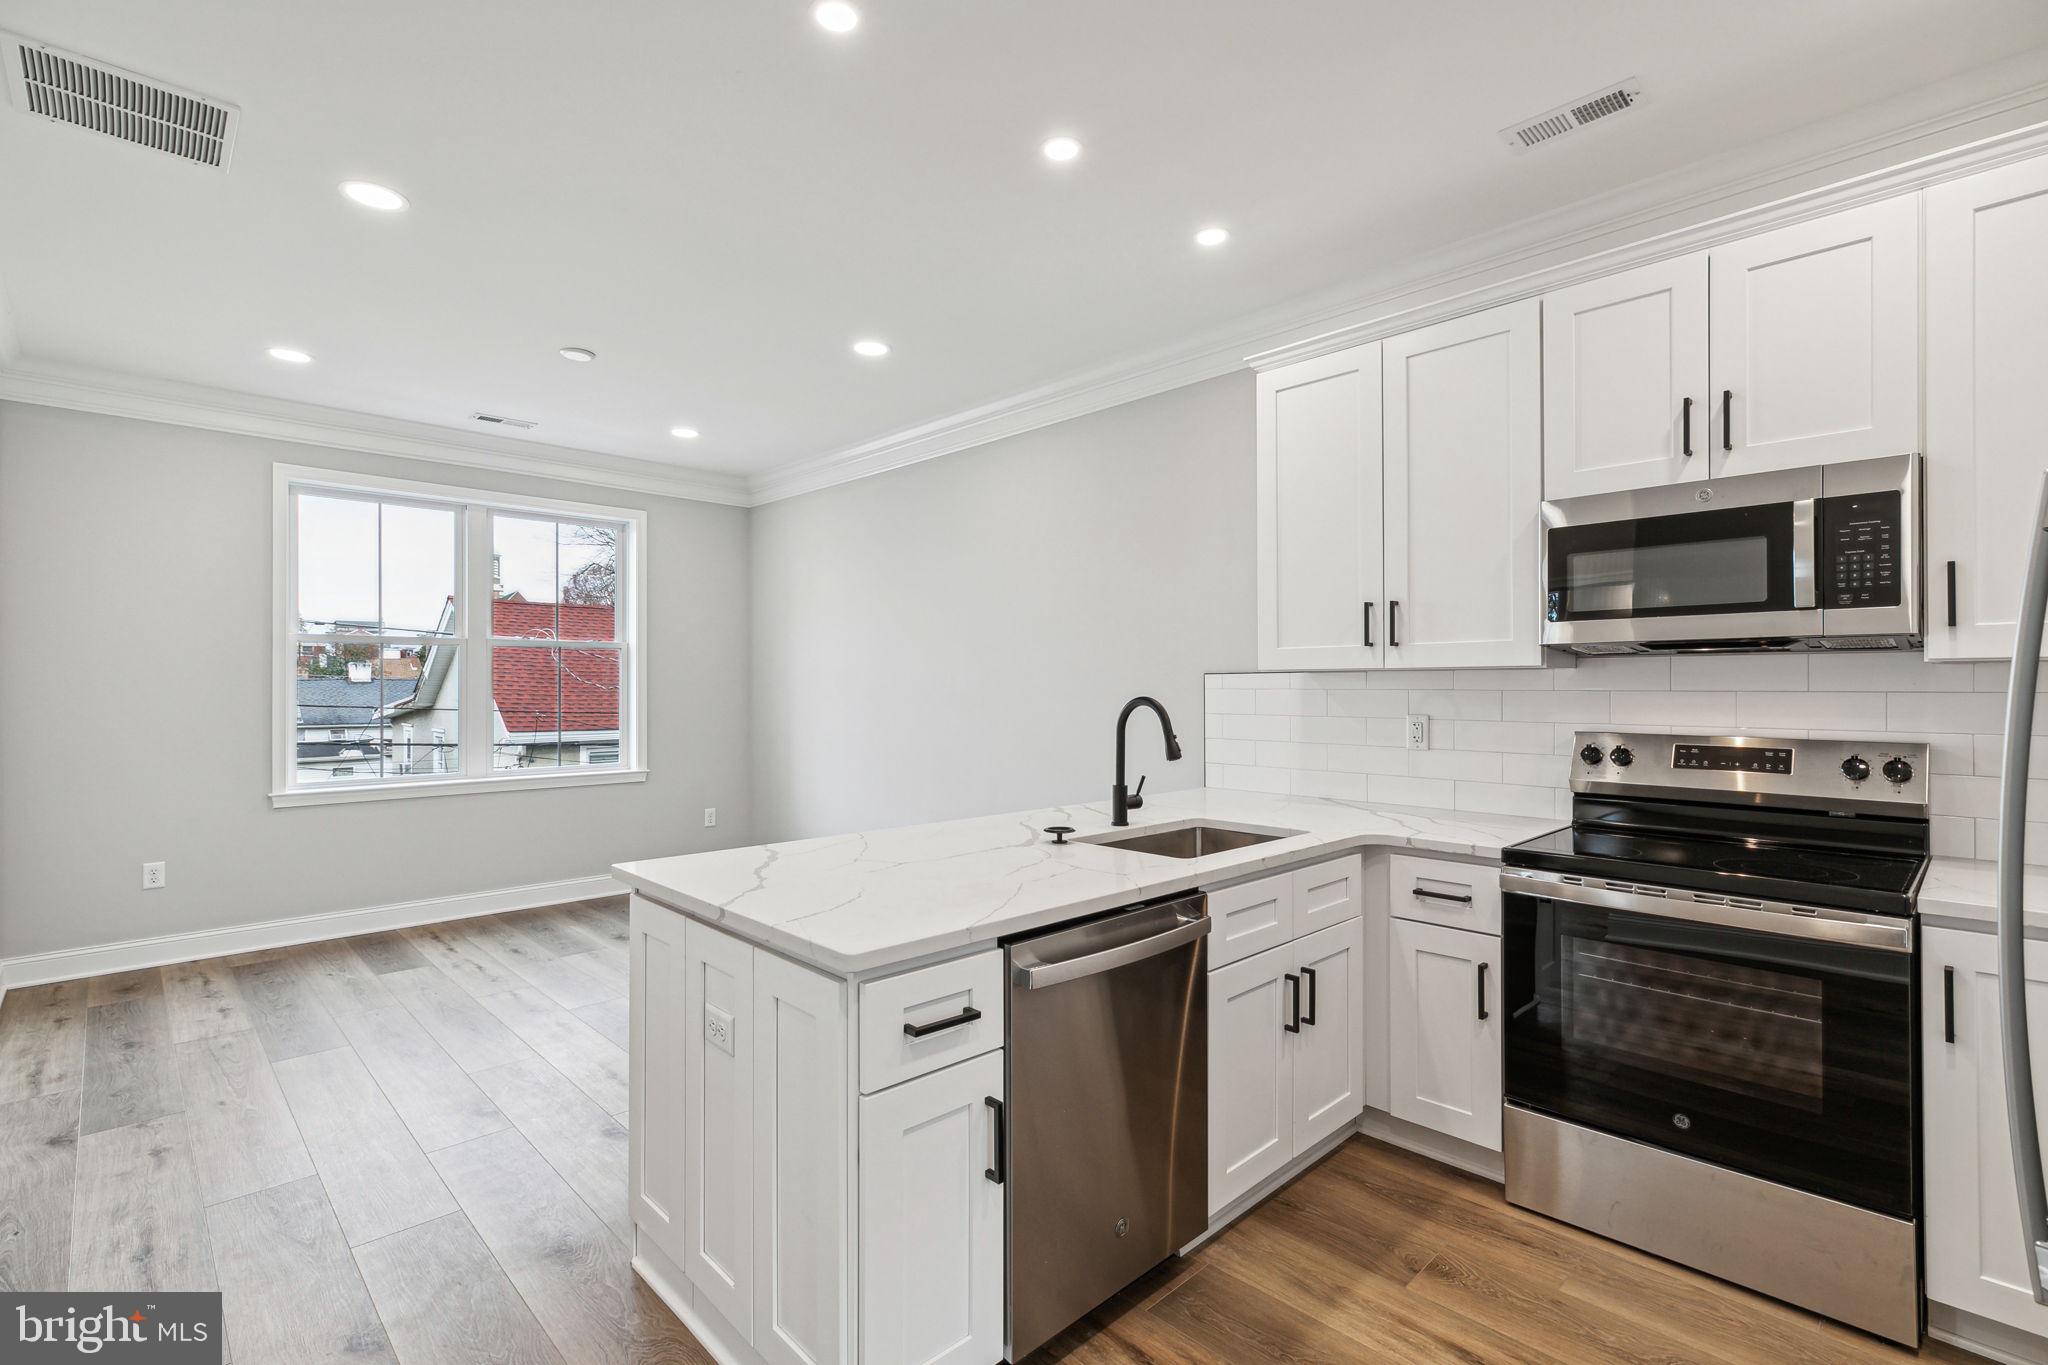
x: 1591, y: 755
x: 1622, y: 756
x: 1898, y: 771
x: 1855, y: 767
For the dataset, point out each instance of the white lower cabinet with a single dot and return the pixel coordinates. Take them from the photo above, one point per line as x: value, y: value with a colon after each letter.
x: 1286, y: 1056
x: 931, y: 1236
x: 1444, y: 1030
x: 1973, y: 1241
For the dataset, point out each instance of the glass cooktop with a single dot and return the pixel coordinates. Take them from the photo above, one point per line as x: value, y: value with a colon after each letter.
x: 1879, y: 882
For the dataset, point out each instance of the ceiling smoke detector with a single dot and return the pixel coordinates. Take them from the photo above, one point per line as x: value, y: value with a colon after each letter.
x: 65, y: 87
x: 1569, y: 118
x: 493, y: 419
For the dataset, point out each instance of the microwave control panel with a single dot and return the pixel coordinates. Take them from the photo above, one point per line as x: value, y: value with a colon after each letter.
x: 1862, y: 543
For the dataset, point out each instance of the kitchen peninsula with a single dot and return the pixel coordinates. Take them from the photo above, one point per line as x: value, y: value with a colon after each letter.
x: 818, y: 1039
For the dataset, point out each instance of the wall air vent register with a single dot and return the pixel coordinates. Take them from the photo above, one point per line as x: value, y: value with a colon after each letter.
x: 65, y: 87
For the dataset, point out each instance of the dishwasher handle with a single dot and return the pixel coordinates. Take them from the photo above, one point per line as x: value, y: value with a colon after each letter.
x: 1034, y: 972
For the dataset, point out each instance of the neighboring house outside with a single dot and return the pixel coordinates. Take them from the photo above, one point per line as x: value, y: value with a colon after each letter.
x: 340, y: 732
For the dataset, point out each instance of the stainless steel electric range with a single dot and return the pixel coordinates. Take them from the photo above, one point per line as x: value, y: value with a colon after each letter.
x: 1711, y: 1013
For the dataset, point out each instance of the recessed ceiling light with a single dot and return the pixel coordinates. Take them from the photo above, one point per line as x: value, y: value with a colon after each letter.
x: 1212, y: 236
x: 1061, y: 149
x: 871, y: 348
x: 582, y: 355
x: 683, y: 433
x: 290, y: 355
x: 836, y: 16
x: 373, y: 196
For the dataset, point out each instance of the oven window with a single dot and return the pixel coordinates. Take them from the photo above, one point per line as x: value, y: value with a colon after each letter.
x: 1717, y: 573
x: 1729, y: 559
x: 1736, y: 1028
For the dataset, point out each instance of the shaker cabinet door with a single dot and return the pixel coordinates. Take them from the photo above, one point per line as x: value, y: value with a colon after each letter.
x: 1329, y: 1052
x: 1251, y: 1073
x: 1444, y: 1030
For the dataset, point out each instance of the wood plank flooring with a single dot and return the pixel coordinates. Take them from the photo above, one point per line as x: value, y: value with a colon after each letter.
x: 410, y: 1147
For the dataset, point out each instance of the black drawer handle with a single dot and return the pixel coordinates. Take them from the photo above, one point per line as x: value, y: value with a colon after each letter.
x: 1294, y: 985
x: 1951, y: 594
x: 1308, y: 974
x: 1727, y: 419
x: 1441, y: 896
x: 966, y: 1016
x: 1368, y: 625
x: 1948, y: 1004
x: 1393, y: 625
x: 1688, y: 428
x: 1001, y: 1168
x: 1482, y: 990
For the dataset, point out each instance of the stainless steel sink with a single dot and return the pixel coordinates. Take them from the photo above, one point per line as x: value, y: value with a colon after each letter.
x: 1190, y: 839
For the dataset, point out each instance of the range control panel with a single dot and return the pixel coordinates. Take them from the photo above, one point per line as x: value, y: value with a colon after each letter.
x: 1728, y: 758
x: 1861, y: 550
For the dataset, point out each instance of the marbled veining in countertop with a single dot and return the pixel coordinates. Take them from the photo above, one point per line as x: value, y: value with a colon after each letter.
x: 1963, y: 892
x: 855, y: 902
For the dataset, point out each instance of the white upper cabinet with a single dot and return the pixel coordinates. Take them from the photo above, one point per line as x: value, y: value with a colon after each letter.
x: 1625, y: 380
x: 1319, y: 512
x: 1815, y: 353
x: 1464, y: 491
x: 1987, y: 355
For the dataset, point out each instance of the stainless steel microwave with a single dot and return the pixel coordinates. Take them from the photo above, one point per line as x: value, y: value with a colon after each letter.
x: 1820, y: 558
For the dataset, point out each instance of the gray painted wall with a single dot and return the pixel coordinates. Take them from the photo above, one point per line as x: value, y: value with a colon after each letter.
x: 955, y: 637
x: 135, y: 580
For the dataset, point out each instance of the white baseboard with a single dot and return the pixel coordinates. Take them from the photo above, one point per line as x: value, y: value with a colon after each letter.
x: 1984, y: 1337
x: 705, y: 1323
x: 71, y: 963
x: 1413, y: 1137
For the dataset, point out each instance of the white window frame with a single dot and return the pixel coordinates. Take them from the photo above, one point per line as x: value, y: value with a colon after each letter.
x: 473, y: 576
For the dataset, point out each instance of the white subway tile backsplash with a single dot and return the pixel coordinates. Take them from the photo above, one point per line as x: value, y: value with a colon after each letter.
x: 1767, y: 712
x: 1502, y: 736
x: 1456, y: 705
x: 1707, y: 711
x: 1503, y: 741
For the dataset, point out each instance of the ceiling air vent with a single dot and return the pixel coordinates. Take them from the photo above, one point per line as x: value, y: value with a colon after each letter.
x: 492, y: 419
x: 1569, y: 118
x: 65, y: 87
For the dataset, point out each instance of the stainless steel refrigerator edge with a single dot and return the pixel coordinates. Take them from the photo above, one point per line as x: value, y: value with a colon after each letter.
x: 1108, y: 1111
x: 2012, y: 962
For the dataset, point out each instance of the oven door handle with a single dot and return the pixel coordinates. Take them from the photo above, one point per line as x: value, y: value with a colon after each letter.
x: 1845, y: 927
x: 1805, y: 557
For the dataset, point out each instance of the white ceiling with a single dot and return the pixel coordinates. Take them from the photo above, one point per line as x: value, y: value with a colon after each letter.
x: 719, y: 197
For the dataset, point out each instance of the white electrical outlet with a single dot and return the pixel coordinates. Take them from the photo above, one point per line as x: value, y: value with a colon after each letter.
x: 152, y: 876
x: 710, y: 816
x: 1418, y: 732
x: 718, y: 1029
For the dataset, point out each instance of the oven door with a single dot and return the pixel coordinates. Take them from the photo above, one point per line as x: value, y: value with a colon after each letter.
x: 1781, y: 1051
x: 1728, y: 572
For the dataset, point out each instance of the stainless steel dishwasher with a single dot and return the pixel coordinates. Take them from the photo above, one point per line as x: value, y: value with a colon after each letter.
x: 1108, y: 1108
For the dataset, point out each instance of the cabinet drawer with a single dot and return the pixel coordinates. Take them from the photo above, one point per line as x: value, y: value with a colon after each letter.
x: 1437, y: 891
x: 1249, y: 918
x: 1328, y: 893
x: 931, y: 995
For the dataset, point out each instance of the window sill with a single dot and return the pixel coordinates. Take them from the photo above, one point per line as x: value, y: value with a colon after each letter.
x: 453, y: 786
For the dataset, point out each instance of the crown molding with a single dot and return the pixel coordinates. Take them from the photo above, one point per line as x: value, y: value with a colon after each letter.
x: 1892, y: 148
x: 241, y: 414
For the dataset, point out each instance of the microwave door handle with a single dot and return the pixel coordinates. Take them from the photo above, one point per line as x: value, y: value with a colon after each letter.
x: 1804, y: 594
x: 2012, y: 961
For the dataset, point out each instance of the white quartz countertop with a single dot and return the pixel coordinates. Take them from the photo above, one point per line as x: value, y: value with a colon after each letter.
x: 1963, y: 892
x: 855, y: 902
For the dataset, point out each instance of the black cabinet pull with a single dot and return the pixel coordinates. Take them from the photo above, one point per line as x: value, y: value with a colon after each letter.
x: 1441, y: 896
x: 966, y: 1016
x: 1308, y: 974
x: 1951, y: 594
x: 1294, y: 984
x: 1393, y: 625
x: 997, y: 1172
x: 1688, y: 428
x: 1727, y: 419
x: 1368, y: 625
x: 1482, y: 990
x: 1948, y: 1004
